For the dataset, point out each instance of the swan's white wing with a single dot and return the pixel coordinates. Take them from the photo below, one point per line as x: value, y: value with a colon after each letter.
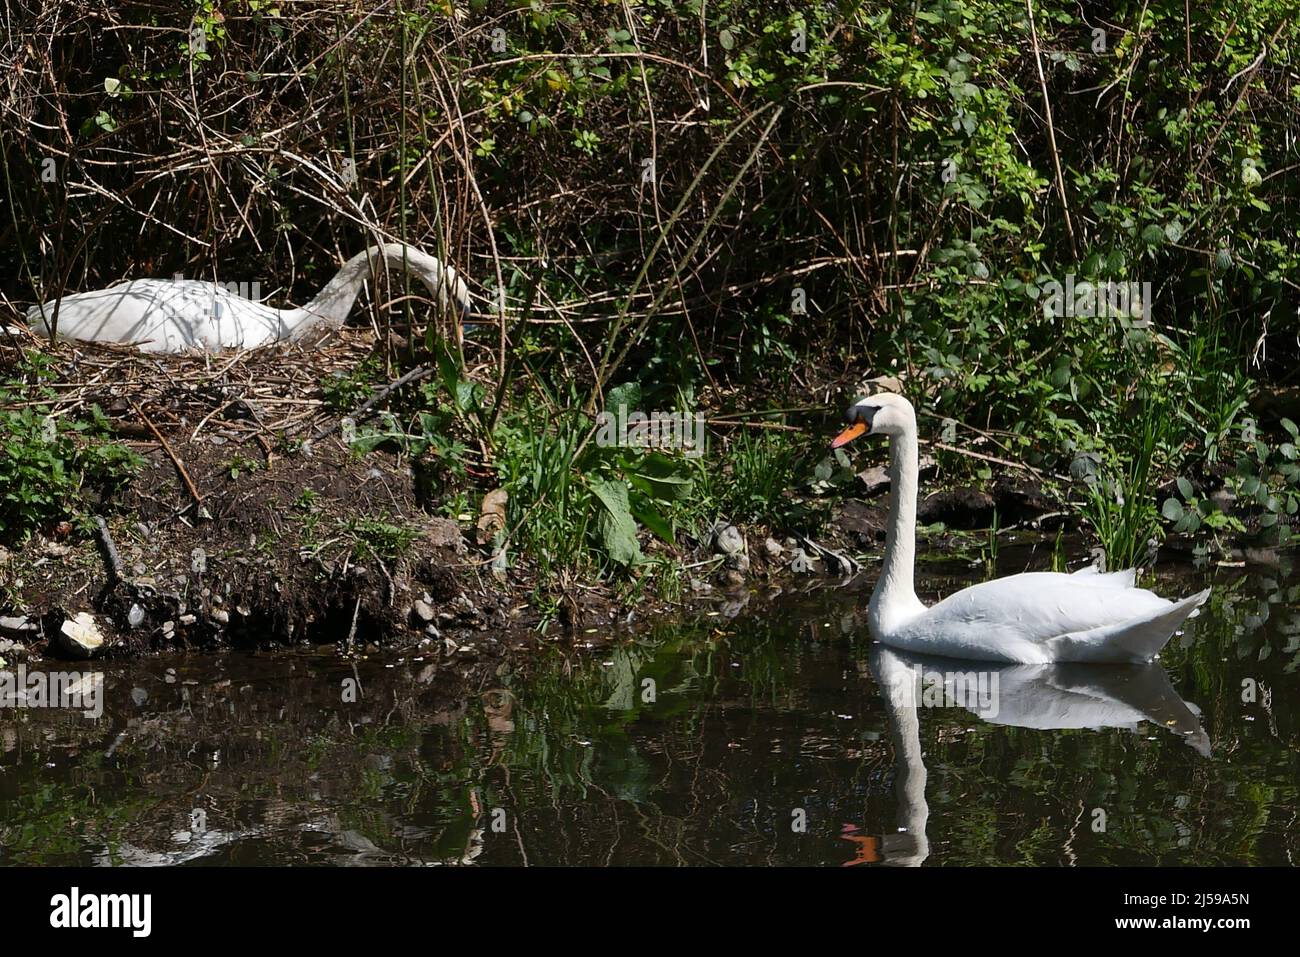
x: 1042, y: 605
x: 162, y: 316
x: 1135, y: 640
x: 1047, y: 616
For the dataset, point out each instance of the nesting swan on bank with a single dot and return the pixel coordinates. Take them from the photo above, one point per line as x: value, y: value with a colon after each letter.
x: 181, y: 315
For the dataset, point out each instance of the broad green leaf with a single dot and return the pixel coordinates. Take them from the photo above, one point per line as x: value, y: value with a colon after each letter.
x: 616, y: 525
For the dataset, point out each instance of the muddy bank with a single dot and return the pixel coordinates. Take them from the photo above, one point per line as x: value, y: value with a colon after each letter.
x: 329, y: 548
x: 252, y: 522
x: 289, y: 548
x: 306, y: 548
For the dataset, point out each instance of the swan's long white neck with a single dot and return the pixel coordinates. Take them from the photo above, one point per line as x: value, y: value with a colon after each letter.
x: 330, y: 308
x: 894, y: 598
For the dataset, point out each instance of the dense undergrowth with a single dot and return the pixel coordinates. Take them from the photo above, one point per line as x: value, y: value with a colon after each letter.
x: 52, y: 468
x: 734, y: 210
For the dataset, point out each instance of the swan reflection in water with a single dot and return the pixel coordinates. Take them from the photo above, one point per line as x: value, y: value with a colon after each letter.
x: 1042, y: 697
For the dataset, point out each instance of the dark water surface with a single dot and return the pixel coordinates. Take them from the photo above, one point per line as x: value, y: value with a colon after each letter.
x: 779, y: 736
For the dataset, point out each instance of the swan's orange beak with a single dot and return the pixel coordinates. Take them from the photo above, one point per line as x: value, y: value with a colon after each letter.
x: 849, y: 434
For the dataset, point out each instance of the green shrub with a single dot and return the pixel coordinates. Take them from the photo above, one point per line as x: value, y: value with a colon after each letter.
x: 48, y: 463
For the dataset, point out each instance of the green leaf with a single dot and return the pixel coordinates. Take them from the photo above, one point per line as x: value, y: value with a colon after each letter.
x: 663, y: 477
x: 668, y: 488
x: 655, y: 521
x: 628, y: 394
x: 616, y: 525
x: 1172, y: 509
x: 1185, y: 488
x: 466, y: 395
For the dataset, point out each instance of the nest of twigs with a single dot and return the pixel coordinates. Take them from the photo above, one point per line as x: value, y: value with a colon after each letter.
x: 265, y: 394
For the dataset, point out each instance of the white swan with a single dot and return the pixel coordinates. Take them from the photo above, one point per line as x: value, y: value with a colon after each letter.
x: 1033, y: 618
x: 161, y: 315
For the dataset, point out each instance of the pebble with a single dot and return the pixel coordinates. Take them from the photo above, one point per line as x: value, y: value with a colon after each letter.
x: 729, y: 541
x: 17, y: 625
x: 81, y: 636
x: 874, y: 479
x: 444, y: 533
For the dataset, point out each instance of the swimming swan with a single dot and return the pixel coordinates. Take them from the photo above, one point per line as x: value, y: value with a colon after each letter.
x: 1033, y: 618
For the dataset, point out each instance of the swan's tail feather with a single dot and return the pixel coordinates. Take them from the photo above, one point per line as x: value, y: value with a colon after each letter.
x: 1136, y: 640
